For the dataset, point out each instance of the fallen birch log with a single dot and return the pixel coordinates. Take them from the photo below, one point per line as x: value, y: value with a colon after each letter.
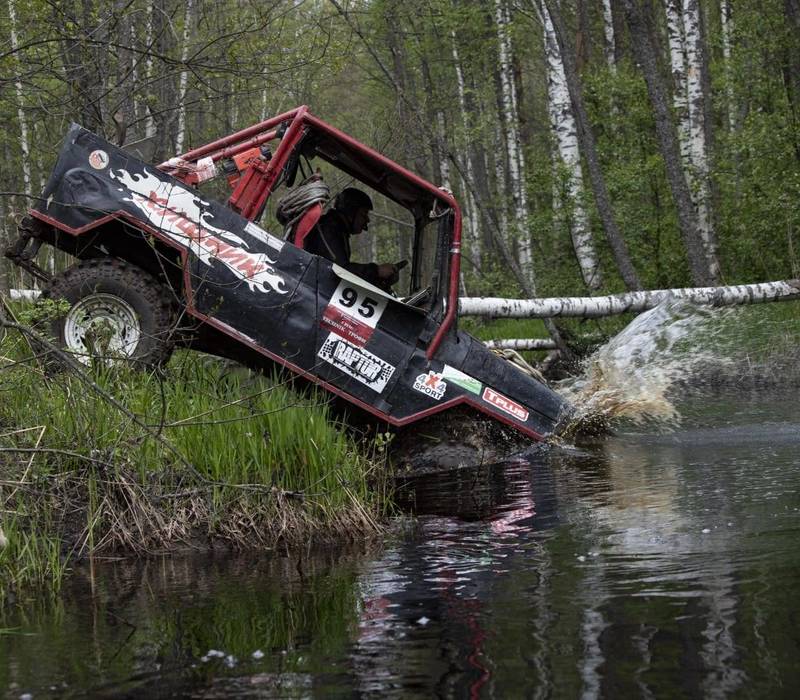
x: 522, y: 344
x: 596, y: 307
x: 28, y: 294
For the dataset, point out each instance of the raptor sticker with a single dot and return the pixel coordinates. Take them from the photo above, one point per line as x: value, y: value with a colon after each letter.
x: 505, y: 404
x: 353, y: 313
x: 431, y: 384
x: 177, y: 212
x: 351, y: 359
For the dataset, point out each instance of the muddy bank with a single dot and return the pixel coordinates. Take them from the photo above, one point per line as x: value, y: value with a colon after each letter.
x: 113, y: 460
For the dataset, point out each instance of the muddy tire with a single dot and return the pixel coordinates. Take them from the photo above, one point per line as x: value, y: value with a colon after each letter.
x: 451, y: 440
x: 117, y: 313
x: 437, y: 455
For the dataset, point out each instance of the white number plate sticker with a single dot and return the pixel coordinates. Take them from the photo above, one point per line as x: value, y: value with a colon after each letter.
x: 353, y: 313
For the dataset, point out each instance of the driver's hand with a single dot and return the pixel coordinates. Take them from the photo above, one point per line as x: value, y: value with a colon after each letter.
x: 388, y: 273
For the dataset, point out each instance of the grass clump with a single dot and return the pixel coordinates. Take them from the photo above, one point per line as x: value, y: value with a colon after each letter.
x: 113, y: 459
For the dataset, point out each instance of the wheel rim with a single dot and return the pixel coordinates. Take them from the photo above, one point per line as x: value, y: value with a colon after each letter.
x: 102, y: 326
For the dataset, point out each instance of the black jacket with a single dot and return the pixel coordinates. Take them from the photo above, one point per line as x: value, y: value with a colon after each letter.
x: 330, y: 239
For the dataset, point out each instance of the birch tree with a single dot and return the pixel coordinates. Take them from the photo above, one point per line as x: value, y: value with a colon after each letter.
x: 677, y: 60
x: 471, y: 217
x: 697, y: 167
x: 184, y: 75
x: 687, y: 61
x: 644, y: 49
x: 609, y: 42
x: 791, y: 72
x: 587, y: 142
x: 149, y: 123
x: 726, y: 31
x: 567, y: 152
x: 515, y: 159
x: 5, y: 277
x: 21, y: 116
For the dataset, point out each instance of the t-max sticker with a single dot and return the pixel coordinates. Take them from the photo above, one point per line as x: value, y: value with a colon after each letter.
x: 353, y: 313
x: 176, y: 211
x: 357, y: 362
x: 505, y: 404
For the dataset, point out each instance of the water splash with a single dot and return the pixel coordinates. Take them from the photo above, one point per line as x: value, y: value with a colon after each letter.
x: 632, y: 375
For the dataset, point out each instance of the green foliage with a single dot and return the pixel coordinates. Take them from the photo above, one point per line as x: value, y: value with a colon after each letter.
x: 41, y: 312
x: 419, y: 82
x: 239, y: 445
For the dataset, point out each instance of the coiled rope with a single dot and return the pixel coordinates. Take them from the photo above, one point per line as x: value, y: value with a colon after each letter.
x: 519, y: 362
x: 295, y: 202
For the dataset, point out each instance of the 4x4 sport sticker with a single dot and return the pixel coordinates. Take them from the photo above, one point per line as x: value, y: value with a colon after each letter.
x: 431, y: 384
x: 363, y: 366
x: 504, y: 404
x: 353, y: 313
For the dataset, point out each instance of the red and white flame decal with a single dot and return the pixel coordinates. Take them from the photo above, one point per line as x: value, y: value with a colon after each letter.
x: 176, y: 211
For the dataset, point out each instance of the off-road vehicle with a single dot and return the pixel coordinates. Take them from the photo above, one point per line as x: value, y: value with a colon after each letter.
x: 161, y: 264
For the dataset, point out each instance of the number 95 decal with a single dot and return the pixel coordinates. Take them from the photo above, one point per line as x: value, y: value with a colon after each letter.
x: 353, y: 312
x: 349, y: 298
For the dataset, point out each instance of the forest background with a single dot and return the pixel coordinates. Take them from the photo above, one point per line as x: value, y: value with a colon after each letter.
x: 594, y: 145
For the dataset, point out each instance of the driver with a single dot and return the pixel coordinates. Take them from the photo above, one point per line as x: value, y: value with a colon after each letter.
x: 330, y: 238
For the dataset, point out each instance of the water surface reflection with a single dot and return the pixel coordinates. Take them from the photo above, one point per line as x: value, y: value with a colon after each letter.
x: 640, y: 565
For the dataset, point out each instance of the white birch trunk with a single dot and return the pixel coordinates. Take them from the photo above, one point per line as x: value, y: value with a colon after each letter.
x: 608, y: 36
x: 23, y: 120
x: 686, y: 58
x: 500, y: 178
x: 596, y: 307
x: 471, y: 214
x: 184, y: 77
x: 515, y: 156
x: 522, y: 344
x: 677, y: 61
x: 235, y: 113
x: 264, y: 102
x: 699, y: 167
x: 565, y: 130
x: 24, y: 294
x: 444, y: 164
x: 5, y: 272
x: 726, y: 20
x: 149, y: 122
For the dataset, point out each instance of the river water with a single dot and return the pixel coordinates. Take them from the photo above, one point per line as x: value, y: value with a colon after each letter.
x: 660, y: 561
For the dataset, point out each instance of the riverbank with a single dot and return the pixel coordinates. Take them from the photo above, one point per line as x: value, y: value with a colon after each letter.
x: 204, y: 455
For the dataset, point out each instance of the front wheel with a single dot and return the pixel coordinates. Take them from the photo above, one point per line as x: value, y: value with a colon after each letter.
x: 117, y: 312
x: 459, y: 437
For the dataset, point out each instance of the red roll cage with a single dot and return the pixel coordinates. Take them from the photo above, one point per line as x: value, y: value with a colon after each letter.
x: 258, y: 174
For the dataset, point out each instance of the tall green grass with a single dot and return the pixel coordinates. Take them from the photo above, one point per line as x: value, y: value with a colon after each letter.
x: 203, y: 452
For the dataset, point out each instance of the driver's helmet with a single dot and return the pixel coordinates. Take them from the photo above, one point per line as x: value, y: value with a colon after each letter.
x: 351, y: 198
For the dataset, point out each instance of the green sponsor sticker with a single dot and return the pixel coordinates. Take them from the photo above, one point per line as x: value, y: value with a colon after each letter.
x: 456, y: 376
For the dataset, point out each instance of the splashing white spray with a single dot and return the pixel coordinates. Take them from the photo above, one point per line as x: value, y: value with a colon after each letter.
x: 631, y: 375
